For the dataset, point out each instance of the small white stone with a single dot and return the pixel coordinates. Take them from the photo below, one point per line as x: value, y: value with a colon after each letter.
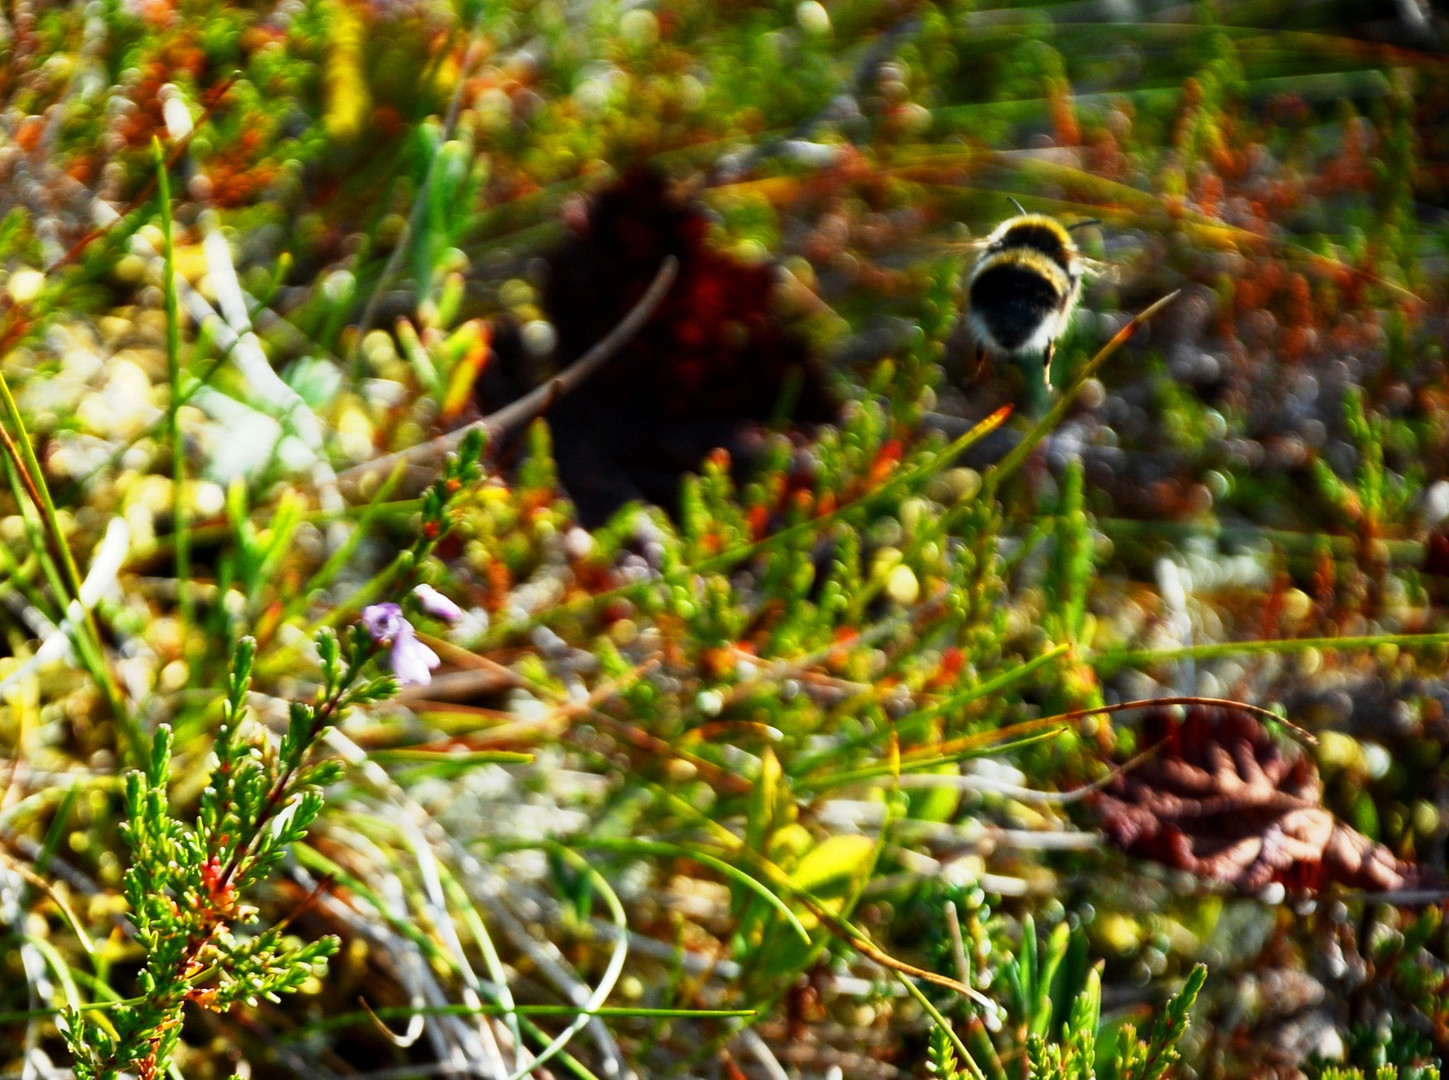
x: 812, y: 17
x: 639, y: 27
x: 902, y: 585
x: 25, y: 285
x: 578, y: 543
x: 338, y: 286
x: 539, y: 337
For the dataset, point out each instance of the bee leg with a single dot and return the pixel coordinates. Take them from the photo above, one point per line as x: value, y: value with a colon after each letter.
x: 1046, y: 365
x: 980, y: 362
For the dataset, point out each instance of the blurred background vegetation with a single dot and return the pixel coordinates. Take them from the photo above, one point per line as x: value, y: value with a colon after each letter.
x: 771, y: 728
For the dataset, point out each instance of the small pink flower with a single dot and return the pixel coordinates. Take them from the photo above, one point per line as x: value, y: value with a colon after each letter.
x: 384, y: 622
x: 436, y: 604
x: 411, y: 661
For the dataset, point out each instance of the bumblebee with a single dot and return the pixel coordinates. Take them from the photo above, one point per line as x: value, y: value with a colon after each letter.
x: 1021, y: 292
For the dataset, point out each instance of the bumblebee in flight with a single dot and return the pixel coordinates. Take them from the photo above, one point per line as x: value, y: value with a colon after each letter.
x: 1024, y: 286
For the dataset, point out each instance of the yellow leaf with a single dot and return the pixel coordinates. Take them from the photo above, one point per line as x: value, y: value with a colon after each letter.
x: 348, y: 99
x: 832, y: 871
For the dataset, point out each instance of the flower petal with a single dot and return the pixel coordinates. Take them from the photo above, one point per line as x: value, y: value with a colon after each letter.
x: 412, y: 661
x: 436, y: 604
x: 384, y: 622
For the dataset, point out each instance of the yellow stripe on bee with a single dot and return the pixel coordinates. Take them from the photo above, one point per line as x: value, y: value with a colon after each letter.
x: 1027, y: 258
x: 1035, y: 221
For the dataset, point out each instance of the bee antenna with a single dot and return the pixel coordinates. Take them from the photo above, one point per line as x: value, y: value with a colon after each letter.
x: 1019, y: 208
x: 1084, y: 224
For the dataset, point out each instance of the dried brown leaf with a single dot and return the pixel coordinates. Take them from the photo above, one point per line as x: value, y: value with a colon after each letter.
x: 1222, y: 799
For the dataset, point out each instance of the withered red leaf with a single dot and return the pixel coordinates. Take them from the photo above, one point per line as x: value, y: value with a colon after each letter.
x: 1220, y: 798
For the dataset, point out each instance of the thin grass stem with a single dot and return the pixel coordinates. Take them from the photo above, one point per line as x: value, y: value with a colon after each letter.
x: 21, y: 453
x: 1117, y: 659
x: 173, y: 409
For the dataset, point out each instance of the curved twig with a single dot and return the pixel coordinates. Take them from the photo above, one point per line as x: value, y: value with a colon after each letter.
x: 867, y: 948
x: 1025, y: 794
x: 538, y: 399
x: 414, y: 1032
x: 1303, y: 735
x: 992, y: 481
x: 541, y: 397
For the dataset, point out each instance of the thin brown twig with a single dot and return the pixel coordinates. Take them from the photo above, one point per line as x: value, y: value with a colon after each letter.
x: 856, y: 939
x: 1081, y: 792
x: 640, y: 739
x: 401, y: 1041
x: 324, y: 885
x: 56, y: 898
x: 1221, y: 703
x: 528, y: 406
x: 1033, y: 795
x: 26, y: 480
x: 510, y: 449
x: 920, y: 755
x: 863, y: 945
x: 562, y: 711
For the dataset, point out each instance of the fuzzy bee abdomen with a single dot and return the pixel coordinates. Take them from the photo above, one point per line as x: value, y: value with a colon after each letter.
x: 1012, y: 304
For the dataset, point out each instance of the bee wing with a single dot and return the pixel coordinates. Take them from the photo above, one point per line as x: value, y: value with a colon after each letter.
x: 1097, y: 270
x: 953, y: 245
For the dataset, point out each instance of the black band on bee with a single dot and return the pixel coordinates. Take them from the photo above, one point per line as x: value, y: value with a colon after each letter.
x: 1013, y: 300
x: 1039, y: 234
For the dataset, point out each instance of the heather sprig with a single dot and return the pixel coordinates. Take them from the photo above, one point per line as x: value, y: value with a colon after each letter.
x: 187, y: 882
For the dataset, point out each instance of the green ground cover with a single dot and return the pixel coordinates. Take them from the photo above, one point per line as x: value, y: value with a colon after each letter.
x: 820, y: 701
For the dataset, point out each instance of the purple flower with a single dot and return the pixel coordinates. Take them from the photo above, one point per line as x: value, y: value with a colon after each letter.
x: 384, y: 622
x: 411, y: 661
x: 436, y: 604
